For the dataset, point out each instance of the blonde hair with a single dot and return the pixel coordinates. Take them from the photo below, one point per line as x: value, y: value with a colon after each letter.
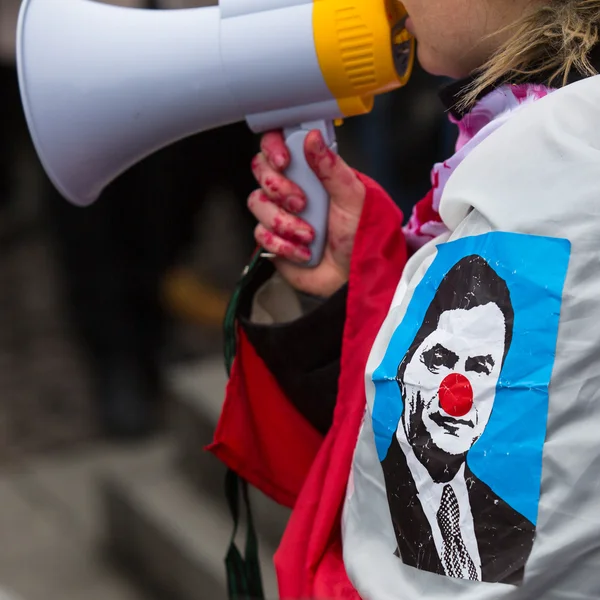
x: 549, y: 42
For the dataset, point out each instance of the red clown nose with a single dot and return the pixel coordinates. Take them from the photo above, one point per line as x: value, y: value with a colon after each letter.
x: 456, y: 395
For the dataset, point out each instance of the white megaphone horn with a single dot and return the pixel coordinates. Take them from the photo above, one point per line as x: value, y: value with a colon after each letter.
x: 104, y: 86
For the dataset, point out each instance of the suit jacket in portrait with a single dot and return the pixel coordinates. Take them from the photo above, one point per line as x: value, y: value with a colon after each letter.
x: 504, y: 536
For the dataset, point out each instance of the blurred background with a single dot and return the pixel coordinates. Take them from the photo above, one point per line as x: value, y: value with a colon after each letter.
x: 111, y: 375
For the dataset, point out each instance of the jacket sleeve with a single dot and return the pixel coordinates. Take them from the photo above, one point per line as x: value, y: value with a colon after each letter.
x: 302, y: 354
x: 282, y: 392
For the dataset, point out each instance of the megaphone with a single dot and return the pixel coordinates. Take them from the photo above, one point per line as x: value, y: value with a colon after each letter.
x: 105, y: 86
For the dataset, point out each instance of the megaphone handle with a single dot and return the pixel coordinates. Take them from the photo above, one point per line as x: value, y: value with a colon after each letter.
x: 299, y: 171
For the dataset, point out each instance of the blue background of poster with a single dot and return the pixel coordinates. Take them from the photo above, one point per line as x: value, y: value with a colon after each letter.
x: 508, y: 456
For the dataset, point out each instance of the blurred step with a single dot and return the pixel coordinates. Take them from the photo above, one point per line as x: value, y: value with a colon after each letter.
x: 169, y: 535
x: 199, y: 390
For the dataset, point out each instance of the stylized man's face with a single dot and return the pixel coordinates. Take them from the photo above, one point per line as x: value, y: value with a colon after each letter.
x: 450, y: 382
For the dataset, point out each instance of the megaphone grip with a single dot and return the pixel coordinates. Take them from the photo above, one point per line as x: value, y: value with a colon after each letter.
x: 317, y: 206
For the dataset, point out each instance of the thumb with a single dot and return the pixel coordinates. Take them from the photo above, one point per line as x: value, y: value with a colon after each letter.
x: 336, y: 176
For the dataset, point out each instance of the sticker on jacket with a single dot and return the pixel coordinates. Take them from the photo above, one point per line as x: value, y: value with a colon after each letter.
x: 461, y: 403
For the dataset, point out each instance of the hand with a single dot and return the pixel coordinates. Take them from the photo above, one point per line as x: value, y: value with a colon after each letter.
x: 278, y: 201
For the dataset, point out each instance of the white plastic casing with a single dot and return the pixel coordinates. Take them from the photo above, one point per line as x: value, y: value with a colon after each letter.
x: 270, y: 61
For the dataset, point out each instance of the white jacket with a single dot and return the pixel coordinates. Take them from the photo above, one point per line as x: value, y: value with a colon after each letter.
x: 491, y: 352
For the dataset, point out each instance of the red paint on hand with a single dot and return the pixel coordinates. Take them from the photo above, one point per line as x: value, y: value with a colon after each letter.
x: 456, y: 395
x: 271, y: 185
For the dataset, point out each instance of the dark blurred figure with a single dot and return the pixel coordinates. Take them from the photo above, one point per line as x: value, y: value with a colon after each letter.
x: 117, y: 252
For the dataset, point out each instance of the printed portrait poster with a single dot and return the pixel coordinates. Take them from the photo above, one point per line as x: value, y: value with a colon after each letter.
x: 461, y: 403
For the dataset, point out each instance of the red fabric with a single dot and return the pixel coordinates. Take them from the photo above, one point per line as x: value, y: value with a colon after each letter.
x: 266, y: 441
x: 309, y: 561
x: 425, y: 223
x: 260, y: 434
x: 424, y: 212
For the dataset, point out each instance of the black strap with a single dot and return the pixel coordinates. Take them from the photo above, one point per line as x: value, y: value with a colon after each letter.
x: 244, y: 581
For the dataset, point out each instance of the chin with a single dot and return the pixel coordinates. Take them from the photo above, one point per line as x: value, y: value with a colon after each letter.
x: 434, y: 64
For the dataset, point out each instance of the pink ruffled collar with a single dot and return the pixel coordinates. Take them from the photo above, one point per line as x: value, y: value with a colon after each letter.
x: 487, y: 115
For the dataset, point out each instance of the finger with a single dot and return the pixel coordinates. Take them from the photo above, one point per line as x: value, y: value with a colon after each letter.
x: 335, y: 175
x: 281, y: 190
x: 277, y: 220
x: 271, y: 242
x: 272, y: 145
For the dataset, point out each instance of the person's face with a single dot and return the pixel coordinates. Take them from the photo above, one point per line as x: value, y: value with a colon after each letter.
x: 454, y: 37
x: 466, y: 349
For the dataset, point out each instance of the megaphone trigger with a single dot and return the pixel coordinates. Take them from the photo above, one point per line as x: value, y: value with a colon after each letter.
x: 317, y: 205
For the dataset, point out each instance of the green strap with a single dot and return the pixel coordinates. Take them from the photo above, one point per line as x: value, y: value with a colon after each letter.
x: 244, y: 581
x: 229, y: 326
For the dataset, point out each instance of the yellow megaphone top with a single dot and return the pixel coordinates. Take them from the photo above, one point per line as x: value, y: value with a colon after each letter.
x: 363, y: 50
